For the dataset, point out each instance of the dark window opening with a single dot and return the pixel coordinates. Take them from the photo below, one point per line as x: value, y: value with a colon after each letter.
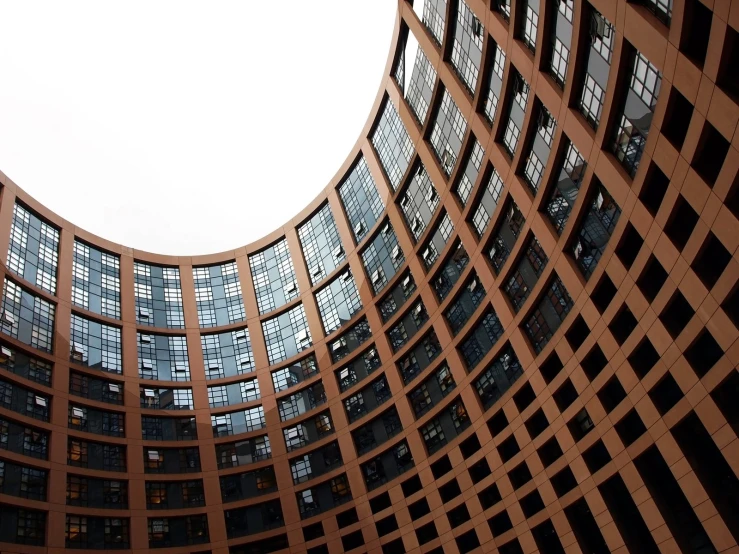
x: 577, y: 333
x: 479, y: 470
x: 596, y: 456
x: 565, y: 395
x: 654, y: 188
x: 704, y: 353
x: 629, y: 246
x: 594, y: 362
x: 711, y: 261
x: 623, y: 325
x: 677, y: 119
x: 549, y: 452
x: 500, y: 523
x: 630, y: 428
x: 611, y: 394
x: 643, y: 358
x: 680, y: 225
x: 676, y: 315
x: 551, y: 367
x: 536, y: 424
x: 524, y: 397
x: 652, y: 278
x: 586, y: 529
x: 563, y: 482
x: 531, y: 504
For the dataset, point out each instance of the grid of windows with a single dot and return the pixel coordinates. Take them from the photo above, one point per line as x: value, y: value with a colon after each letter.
x: 498, y: 377
x: 559, y: 61
x: 158, y: 296
x: 503, y: 7
x: 434, y: 15
x: 338, y: 302
x: 549, y: 313
x: 33, y: 252
x: 235, y: 423
x: 661, y: 8
x: 382, y: 258
x: 26, y: 366
x: 274, y: 277
x: 645, y: 80
x: 362, y: 202
x: 633, y: 128
x: 437, y: 241
x: 163, y: 358
x: 529, y: 27
x: 286, y: 335
x: 26, y: 317
x: 322, y: 249
x: 602, y: 35
x: 448, y: 132
x: 564, y: 192
x: 218, y: 295
x: 511, y: 136
x: 166, y: 399
x: 234, y: 393
x: 293, y: 375
x: 533, y: 171
x: 506, y: 236
x: 520, y: 91
x: 596, y: 229
x: 471, y: 171
x: 392, y: 144
x: 591, y: 103
x: 467, y: 46
x: 95, y: 345
x: 488, y: 203
x: 494, y: 86
x: 96, y: 282
x: 526, y: 273
x: 481, y: 339
x: 419, y: 202
x: 227, y: 354
x: 421, y: 86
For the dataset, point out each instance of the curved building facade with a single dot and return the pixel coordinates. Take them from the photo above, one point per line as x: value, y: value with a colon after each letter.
x: 508, y: 323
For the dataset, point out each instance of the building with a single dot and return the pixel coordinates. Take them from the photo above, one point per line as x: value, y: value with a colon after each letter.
x: 510, y: 321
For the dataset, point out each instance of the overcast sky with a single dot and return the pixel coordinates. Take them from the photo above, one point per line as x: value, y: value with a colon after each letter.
x: 160, y: 125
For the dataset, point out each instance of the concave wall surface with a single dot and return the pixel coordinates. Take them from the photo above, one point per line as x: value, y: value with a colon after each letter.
x: 509, y: 322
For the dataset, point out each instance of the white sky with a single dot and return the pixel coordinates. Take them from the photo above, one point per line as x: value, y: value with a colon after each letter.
x: 114, y: 114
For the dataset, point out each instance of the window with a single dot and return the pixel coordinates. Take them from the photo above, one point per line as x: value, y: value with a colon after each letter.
x: 96, y: 281
x: 163, y: 357
x: 495, y: 84
x: 510, y: 138
x: 152, y: 282
x: 533, y: 170
x: 218, y: 295
x: 595, y: 230
x: 273, y: 276
x: 338, y: 302
x: 322, y: 249
x: 287, y: 377
x: 362, y: 202
x: 36, y: 332
x: 433, y: 436
x: 467, y: 46
x: 95, y: 345
x: 591, y: 103
x: 636, y: 116
x: 529, y: 28
x: 287, y: 334
x: 76, y: 532
x: 382, y: 257
x: 33, y: 483
x: 448, y: 133
x: 393, y: 146
x: 33, y: 251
